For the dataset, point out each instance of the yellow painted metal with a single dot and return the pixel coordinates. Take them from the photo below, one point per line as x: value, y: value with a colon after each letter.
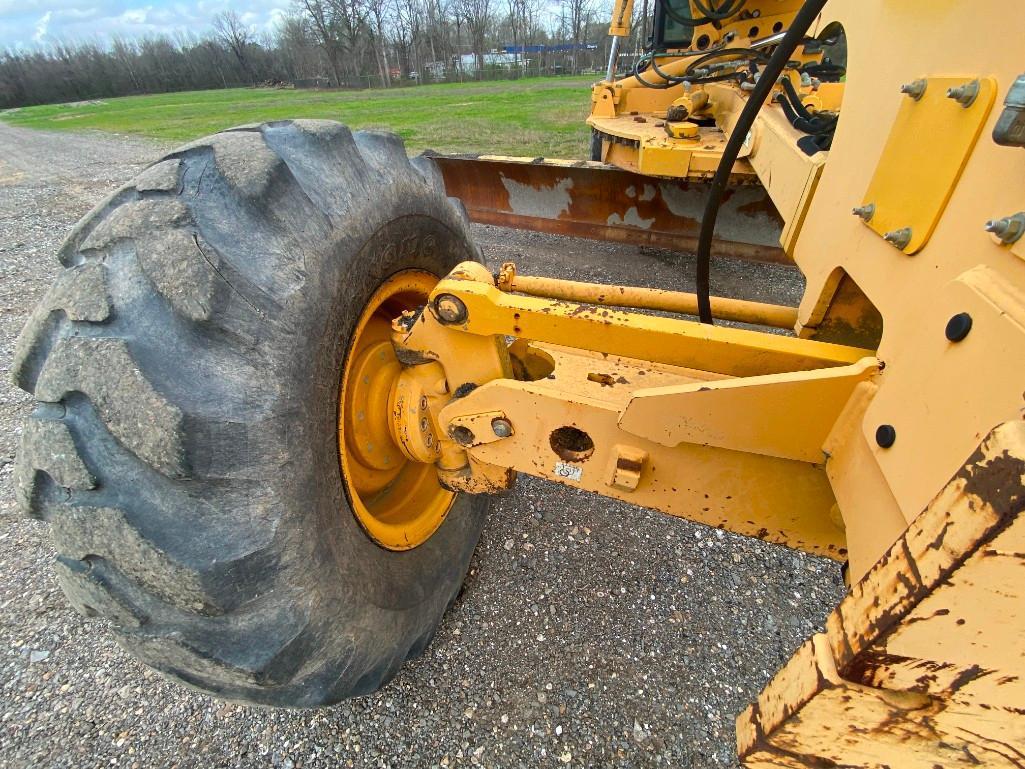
x: 929, y: 145
x: 939, y: 397
x: 755, y: 313
x: 788, y: 416
x: 736, y: 352
x: 628, y: 110
x: 920, y: 665
x: 398, y: 501
x: 779, y: 500
x: 837, y: 448
x: 622, y: 16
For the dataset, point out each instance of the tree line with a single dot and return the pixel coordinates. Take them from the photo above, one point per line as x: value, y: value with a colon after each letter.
x: 333, y: 43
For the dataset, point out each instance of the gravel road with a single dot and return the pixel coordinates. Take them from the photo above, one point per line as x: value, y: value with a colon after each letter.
x: 590, y: 632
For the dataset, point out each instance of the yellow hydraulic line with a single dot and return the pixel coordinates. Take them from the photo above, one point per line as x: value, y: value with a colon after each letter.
x: 738, y: 310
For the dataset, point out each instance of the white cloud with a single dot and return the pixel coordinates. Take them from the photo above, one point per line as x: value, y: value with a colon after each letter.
x: 42, y: 26
x: 33, y: 24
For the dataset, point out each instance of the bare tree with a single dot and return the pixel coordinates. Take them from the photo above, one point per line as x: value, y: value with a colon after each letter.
x: 237, y: 37
x: 321, y: 15
x: 477, y: 14
x: 579, y: 16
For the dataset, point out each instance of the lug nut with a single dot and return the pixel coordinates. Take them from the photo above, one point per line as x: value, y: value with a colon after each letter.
x: 865, y: 212
x: 916, y: 89
x: 501, y: 427
x: 424, y: 425
x: 450, y: 309
x: 965, y: 94
x: 899, y: 238
x: 1009, y: 229
x: 958, y: 327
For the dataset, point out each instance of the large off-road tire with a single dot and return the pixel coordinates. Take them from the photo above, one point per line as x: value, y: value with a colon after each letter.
x: 596, y: 145
x: 185, y: 447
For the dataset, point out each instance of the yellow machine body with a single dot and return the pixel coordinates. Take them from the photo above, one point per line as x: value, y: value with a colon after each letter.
x: 885, y: 430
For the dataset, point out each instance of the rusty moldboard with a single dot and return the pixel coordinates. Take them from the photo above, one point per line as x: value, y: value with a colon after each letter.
x: 600, y: 202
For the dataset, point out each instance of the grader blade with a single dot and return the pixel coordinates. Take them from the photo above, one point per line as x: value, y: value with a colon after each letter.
x: 601, y: 202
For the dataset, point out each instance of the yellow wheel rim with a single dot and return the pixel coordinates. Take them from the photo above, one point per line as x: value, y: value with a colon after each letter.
x: 399, y: 502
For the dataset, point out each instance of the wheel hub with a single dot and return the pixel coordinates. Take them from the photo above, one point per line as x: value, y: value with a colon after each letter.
x: 386, y: 435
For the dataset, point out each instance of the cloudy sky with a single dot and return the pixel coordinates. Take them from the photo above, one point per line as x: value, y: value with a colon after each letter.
x: 28, y: 24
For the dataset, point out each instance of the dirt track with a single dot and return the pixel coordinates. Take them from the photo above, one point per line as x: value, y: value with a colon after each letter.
x: 590, y: 632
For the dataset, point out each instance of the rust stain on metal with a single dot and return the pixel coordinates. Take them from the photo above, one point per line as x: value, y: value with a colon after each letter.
x: 586, y: 200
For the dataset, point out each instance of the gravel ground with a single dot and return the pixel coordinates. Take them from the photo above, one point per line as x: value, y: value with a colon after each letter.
x: 590, y: 632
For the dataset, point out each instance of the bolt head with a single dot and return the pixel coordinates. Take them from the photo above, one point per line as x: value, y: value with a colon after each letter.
x: 501, y: 427
x: 916, y: 89
x: 964, y: 94
x: 886, y: 436
x: 899, y: 238
x: 1009, y: 230
x: 462, y: 435
x: 958, y: 327
x: 450, y: 309
x: 865, y: 212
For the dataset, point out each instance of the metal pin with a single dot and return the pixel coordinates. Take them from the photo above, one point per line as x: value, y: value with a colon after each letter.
x: 501, y: 427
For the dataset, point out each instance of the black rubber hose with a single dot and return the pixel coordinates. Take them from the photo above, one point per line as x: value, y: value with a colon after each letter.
x: 814, y: 125
x: 777, y: 63
x: 795, y: 99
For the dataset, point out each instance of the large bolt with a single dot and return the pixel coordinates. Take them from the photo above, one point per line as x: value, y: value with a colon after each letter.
x: 899, y: 238
x: 1009, y: 229
x: 916, y: 89
x: 450, y: 309
x: 865, y: 212
x: 502, y: 427
x: 965, y: 94
x: 462, y: 435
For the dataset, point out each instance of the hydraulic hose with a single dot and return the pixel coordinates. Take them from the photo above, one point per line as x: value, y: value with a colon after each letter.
x: 770, y: 74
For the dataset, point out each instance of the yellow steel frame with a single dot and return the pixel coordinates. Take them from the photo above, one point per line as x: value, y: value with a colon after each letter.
x: 888, y: 432
x: 652, y: 395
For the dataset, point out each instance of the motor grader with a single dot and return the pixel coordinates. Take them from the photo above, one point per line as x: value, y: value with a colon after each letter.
x: 276, y: 386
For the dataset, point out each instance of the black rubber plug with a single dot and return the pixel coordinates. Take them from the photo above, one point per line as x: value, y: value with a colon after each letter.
x: 886, y: 436
x: 959, y: 326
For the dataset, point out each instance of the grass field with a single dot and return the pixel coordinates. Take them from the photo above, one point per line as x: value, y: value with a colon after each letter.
x: 534, y: 116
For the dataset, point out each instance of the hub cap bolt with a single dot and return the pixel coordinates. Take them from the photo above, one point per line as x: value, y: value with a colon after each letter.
x: 501, y: 427
x: 450, y: 309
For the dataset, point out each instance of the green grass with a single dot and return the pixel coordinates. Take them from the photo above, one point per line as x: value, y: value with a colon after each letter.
x: 534, y: 116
